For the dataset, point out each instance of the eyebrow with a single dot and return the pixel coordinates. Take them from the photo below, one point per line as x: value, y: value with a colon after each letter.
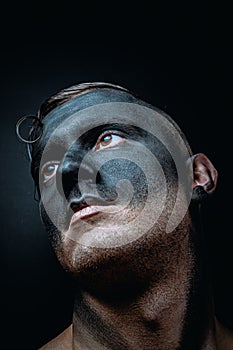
x: 126, y: 129
x: 93, y: 134
x: 56, y: 149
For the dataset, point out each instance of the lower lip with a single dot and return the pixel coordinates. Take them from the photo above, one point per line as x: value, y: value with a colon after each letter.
x: 83, y: 214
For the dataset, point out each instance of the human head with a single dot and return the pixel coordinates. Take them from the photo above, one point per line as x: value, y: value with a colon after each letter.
x: 102, y: 147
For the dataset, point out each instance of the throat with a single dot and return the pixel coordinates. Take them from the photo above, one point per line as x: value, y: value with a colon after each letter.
x: 168, y: 309
x: 153, y: 319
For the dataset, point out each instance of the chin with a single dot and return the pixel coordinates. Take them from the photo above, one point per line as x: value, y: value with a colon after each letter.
x: 77, y: 258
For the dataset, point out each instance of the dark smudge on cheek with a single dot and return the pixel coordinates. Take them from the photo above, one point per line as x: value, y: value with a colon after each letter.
x: 110, y: 176
x: 114, y: 173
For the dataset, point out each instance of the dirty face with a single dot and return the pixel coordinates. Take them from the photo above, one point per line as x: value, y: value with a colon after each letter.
x: 114, y: 181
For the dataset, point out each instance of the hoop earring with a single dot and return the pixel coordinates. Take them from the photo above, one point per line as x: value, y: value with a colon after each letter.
x: 19, y: 123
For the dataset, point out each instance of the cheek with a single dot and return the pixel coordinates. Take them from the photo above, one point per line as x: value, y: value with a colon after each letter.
x: 54, y: 209
x: 122, y: 180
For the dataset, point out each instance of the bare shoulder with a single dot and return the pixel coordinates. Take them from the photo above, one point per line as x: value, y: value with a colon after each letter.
x: 224, y: 337
x: 62, y: 342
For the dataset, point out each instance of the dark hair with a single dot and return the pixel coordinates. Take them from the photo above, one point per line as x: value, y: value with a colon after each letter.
x: 63, y: 96
x: 70, y: 92
x: 60, y: 98
x: 51, y: 103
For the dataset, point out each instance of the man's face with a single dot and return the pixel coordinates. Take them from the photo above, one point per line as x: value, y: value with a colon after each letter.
x: 110, y: 178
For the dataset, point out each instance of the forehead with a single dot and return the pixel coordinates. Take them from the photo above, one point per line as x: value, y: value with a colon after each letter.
x: 64, y: 125
x: 98, y: 107
x: 83, y: 108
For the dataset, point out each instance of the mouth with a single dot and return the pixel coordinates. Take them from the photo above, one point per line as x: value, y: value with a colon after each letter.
x: 80, y: 210
x: 84, y: 213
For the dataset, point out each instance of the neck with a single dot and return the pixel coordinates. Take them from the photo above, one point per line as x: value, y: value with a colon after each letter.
x: 170, y: 312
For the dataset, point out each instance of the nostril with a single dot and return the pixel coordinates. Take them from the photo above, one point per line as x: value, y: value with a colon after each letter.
x: 72, y: 174
x: 78, y: 205
x: 74, y: 207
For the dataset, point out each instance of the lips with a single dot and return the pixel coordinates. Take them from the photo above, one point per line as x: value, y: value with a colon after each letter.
x: 84, y: 213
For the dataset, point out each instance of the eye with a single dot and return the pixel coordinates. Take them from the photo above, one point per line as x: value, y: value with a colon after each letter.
x: 107, y: 140
x: 49, y: 170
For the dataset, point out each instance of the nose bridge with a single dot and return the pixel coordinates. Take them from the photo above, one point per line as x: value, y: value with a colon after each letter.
x: 69, y: 176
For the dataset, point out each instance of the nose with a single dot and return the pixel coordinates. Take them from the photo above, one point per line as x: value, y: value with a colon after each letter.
x: 85, y: 200
x: 71, y: 173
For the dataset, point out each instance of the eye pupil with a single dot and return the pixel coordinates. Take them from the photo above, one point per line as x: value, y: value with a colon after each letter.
x: 49, y: 169
x: 106, y: 140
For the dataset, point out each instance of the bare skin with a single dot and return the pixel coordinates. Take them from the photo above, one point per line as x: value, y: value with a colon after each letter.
x: 224, y: 340
x: 150, y: 320
x: 151, y: 292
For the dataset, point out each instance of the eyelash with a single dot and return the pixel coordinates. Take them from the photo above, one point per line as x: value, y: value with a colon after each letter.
x: 106, y: 133
x: 95, y: 148
x: 48, y: 164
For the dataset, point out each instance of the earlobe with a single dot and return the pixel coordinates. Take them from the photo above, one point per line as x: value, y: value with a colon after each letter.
x: 204, y: 174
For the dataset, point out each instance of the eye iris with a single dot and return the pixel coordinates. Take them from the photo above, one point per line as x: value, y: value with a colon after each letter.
x: 49, y: 169
x: 106, y: 140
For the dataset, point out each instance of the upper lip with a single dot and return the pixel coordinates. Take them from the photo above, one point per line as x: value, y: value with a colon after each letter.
x: 84, y: 207
x: 84, y: 213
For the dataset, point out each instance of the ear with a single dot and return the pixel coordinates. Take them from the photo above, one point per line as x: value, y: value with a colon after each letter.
x: 204, y: 175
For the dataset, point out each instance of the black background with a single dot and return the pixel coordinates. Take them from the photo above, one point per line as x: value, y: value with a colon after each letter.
x: 175, y: 56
